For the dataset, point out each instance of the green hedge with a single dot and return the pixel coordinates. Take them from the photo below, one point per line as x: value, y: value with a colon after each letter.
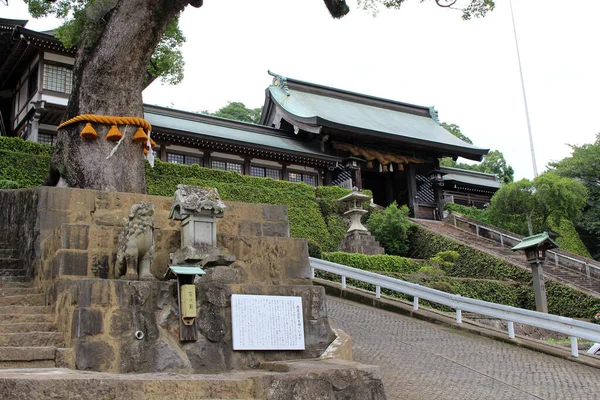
x: 376, y: 263
x: 470, y: 212
x: 23, y: 146
x: 472, y: 263
x: 25, y: 169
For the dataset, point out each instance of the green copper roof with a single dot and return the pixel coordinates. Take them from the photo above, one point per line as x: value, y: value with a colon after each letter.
x: 309, y: 105
x: 217, y: 128
x: 472, y: 180
x: 535, y: 241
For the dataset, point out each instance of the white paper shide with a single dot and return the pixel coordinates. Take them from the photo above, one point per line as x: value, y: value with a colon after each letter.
x: 267, y: 322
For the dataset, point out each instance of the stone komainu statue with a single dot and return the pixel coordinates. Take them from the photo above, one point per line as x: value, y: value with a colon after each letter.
x: 136, y: 244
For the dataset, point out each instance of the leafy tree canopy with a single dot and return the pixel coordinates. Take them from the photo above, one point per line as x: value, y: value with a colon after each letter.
x: 528, y: 207
x: 166, y: 62
x: 493, y: 162
x: 584, y: 165
x: 237, y: 111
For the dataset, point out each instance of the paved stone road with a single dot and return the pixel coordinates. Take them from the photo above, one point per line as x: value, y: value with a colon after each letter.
x: 423, y: 361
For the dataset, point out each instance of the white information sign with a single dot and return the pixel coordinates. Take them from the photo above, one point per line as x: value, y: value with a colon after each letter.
x: 267, y: 322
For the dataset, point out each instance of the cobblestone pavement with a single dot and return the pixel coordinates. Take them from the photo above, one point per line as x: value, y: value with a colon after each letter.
x: 421, y: 360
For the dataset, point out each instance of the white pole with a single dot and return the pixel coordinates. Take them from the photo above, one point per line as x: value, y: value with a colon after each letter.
x: 535, y: 171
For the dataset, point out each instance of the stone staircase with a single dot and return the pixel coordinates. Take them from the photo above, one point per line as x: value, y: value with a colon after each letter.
x: 28, y: 334
x: 558, y: 273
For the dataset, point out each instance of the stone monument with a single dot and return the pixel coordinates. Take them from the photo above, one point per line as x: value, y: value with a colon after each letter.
x: 358, y: 239
x: 136, y: 244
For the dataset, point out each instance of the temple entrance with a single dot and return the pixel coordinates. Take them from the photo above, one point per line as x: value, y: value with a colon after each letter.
x: 386, y: 186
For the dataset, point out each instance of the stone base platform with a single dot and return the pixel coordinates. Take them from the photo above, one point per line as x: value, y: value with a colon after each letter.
x: 313, y: 379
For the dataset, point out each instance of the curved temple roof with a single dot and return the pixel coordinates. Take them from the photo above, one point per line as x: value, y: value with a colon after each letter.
x: 311, y: 107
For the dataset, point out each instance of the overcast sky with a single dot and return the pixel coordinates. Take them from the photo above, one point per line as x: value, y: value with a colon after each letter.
x: 420, y: 54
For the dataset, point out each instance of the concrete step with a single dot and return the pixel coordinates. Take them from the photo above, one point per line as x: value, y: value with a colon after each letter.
x: 27, y: 357
x: 19, y: 291
x: 22, y: 318
x: 16, y: 327
x: 32, y: 339
x: 23, y: 300
x: 25, y: 310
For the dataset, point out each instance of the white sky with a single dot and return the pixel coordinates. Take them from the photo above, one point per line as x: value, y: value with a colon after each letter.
x: 420, y: 54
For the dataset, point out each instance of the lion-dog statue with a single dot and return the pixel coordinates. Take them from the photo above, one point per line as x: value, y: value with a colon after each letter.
x: 136, y: 244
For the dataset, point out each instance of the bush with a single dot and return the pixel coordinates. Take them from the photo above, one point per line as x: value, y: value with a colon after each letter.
x: 314, y: 249
x: 378, y: 263
x: 391, y: 229
x: 6, y: 184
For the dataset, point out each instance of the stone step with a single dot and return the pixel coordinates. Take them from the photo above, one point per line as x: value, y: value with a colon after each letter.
x: 25, y: 310
x: 19, y: 291
x: 12, y: 272
x: 8, y: 284
x: 32, y: 339
x: 27, y: 357
x: 16, y: 327
x: 22, y: 318
x: 7, y: 253
x: 23, y: 300
x: 9, y: 280
x: 11, y: 263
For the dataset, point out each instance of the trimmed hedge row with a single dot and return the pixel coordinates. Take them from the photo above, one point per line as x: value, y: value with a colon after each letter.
x: 376, y: 263
x: 25, y: 169
x: 23, y: 146
x: 472, y: 263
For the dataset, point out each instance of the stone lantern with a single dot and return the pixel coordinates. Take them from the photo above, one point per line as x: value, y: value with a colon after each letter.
x: 358, y: 239
x: 535, y: 248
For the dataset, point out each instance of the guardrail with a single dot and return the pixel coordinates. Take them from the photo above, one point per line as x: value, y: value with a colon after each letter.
x: 573, y: 328
x: 557, y: 256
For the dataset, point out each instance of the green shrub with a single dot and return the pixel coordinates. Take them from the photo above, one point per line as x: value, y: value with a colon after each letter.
x: 570, y: 240
x: 470, y: 212
x: 314, y: 249
x: 25, y: 169
x: 6, y: 184
x: 22, y: 146
x: 391, y: 229
x: 472, y: 263
x: 379, y: 263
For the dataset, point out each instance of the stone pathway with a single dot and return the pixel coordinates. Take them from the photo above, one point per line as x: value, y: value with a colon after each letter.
x: 423, y: 361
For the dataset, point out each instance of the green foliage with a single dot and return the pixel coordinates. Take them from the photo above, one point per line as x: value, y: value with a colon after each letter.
x: 527, y: 207
x: 167, y: 59
x: 470, y: 212
x: 238, y: 112
x: 584, y: 165
x: 25, y: 163
x: 446, y: 258
x: 391, y: 229
x: 23, y: 146
x: 472, y: 263
x: 474, y: 9
x: 314, y: 249
x: 6, y: 184
x: 376, y: 263
x: 570, y: 240
x: 83, y: 24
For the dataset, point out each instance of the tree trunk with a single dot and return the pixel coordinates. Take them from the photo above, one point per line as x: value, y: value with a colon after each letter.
x: 108, y: 80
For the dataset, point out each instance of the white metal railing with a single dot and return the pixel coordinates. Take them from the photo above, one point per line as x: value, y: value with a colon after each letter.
x: 556, y: 256
x: 573, y: 328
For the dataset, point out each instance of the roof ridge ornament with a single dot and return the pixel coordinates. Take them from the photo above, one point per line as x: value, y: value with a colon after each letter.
x: 434, y: 115
x: 280, y: 81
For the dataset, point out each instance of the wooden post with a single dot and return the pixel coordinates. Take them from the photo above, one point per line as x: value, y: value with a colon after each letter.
x: 187, y: 333
x: 206, y: 159
x: 358, y: 179
x: 411, y: 183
